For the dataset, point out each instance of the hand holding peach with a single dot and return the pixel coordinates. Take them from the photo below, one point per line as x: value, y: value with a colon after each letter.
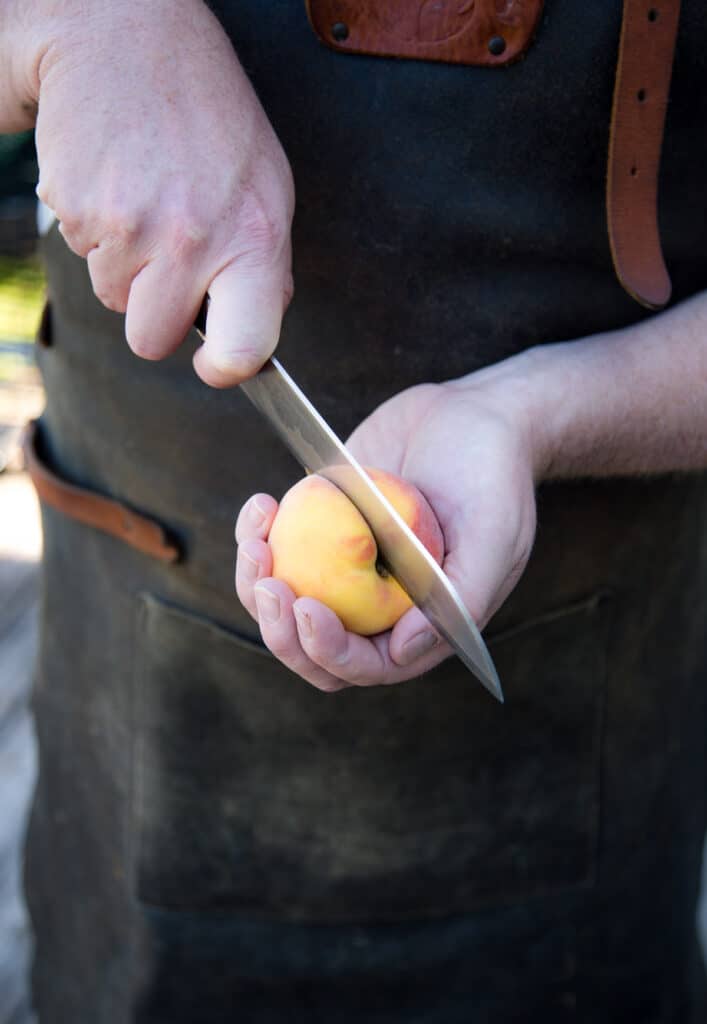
x: 468, y: 447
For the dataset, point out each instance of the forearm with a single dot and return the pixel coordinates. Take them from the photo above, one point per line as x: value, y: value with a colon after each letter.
x: 632, y: 401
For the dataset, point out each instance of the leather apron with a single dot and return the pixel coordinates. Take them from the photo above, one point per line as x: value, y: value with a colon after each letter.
x: 212, y: 838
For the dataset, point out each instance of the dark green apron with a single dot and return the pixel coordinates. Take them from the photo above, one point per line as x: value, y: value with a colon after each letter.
x: 212, y: 838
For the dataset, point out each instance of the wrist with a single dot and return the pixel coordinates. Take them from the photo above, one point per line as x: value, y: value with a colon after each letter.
x: 35, y: 36
x: 626, y: 402
x: 520, y: 390
x: 547, y: 396
x: 20, y: 52
x: 32, y: 34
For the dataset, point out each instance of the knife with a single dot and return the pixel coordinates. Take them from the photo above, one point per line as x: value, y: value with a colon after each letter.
x: 315, y: 445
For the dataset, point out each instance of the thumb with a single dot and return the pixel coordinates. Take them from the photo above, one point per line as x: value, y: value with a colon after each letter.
x: 488, y: 557
x: 243, y: 321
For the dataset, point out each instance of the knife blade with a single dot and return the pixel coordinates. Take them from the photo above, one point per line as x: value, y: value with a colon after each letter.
x: 317, y: 448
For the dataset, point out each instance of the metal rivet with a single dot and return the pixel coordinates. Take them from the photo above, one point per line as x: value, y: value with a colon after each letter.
x: 634, y: 172
x: 641, y: 94
x: 497, y: 44
x: 340, y: 31
x: 653, y: 14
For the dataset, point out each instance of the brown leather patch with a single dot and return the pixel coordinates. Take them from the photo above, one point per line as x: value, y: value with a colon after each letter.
x: 487, y: 32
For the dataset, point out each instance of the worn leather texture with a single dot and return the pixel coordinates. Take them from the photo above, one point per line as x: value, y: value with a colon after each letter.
x: 183, y: 863
x: 251, y: 770
x: 641, y: 93
x: 485, y: 32
x: 95, y: 510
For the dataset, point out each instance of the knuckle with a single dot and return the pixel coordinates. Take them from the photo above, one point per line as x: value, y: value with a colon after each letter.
x: 54, y: 186
x: 77, y: 226
x: 185, y: 235
x: 72, y: 213
x: 43, y: 191
x: 264, y: 227
x: 183, y: 230
x: 121, y: 225
x: 71, y: 227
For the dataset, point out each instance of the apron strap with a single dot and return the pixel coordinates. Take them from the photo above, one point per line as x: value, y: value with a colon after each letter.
x: 646, y: 51
x: 96, y: 510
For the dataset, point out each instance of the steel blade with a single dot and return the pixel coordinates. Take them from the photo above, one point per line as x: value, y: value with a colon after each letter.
x: 315, y: 445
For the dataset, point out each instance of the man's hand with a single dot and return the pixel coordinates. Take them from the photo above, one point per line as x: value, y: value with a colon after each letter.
x: 165, y: 173
x: 470, y: 454
x: 633, y: 401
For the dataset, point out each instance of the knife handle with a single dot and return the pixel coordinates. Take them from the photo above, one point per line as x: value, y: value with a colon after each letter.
x: 200, y: 319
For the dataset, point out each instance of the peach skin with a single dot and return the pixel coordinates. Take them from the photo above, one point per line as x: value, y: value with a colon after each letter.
x: 322, y: 547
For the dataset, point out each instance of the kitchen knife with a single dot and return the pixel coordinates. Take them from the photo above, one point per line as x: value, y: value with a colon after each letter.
x: 315, y: 445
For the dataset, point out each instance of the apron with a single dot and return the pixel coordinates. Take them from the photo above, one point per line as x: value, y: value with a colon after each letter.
x: 212, y: 838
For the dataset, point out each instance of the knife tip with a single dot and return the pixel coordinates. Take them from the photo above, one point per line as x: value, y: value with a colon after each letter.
x: 489, y: 678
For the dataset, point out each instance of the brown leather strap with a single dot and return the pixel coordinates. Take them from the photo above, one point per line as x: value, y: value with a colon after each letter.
x: 93, y: 509
x: 646, y: 50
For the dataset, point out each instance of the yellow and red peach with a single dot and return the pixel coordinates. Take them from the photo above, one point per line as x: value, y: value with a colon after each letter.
x: 322, y: 547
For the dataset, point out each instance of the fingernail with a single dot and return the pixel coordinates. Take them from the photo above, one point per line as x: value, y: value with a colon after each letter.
x: 418, y: 644
x: 304, y: 623
x: 249, y: 567
x: 268, y: 604
x: 255, y: 513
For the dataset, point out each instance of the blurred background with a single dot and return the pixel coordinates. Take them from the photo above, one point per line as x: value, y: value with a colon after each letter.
x: 21, y: 398
x: 21, y: 291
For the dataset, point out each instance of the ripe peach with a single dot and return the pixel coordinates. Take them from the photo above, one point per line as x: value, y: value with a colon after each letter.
x: 322, y: 547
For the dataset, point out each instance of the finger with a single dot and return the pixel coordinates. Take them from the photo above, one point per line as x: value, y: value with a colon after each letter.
x: 77, y: 215
x: 253, y: 563
x: 274, y: 601
x: 256, y: 518
x: 413, y: 640
x: 344, y: 655
x: 358, y: 660
x: 244, y: 319
x: 78, y: 235
x: 487, y: 556
x: 162, y: 304
x: 111, y: 266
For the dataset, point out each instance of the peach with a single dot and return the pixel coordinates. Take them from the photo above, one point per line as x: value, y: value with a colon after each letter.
x: 322, y: 547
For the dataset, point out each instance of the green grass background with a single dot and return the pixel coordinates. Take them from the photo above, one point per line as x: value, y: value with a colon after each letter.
x: 21, y: 301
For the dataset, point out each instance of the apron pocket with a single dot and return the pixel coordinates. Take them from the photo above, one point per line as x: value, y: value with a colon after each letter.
x: 256, y: 793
